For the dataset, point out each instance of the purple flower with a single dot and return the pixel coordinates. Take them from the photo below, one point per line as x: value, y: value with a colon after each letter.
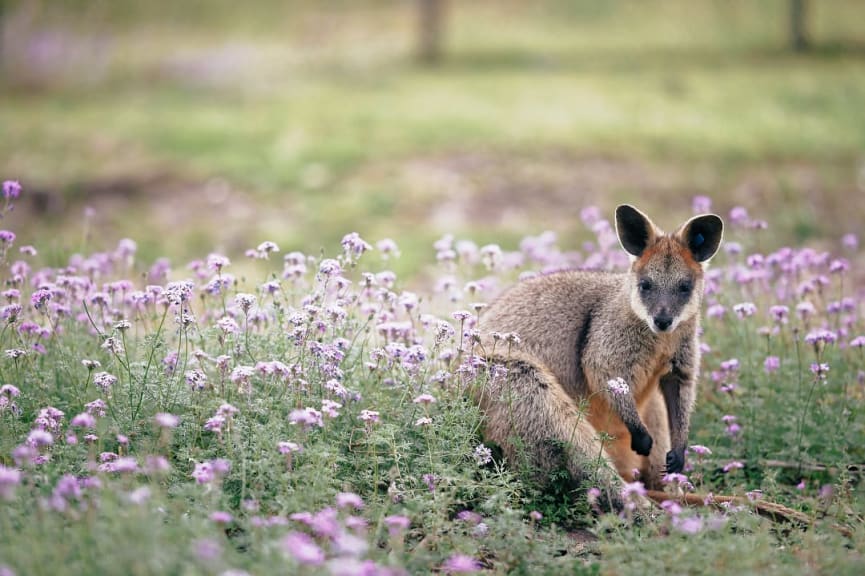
x: 166, y: 420
x: 699, y: 449
x: 196, y: 379
x: 857, y: 342
x: 203, y: 473
x: 469, y: 517
x: 779, y: 313
x: 745, y: 309
x: 671, y: 507
x: 821, y: 336
x: 347, y: 544
x: 482, y: 455
x: 820, y: 370
x: 324, y: 523
x: 306, y: 417
x: 632, y: 489
x: 288, y: 447
x: 96, y: 408
x: 688, y: 524
x: 731, y: 365
x: 139, y: 496
x: 9, y: 479
x: 369, y: 416
x: 221, y: 466
x: 207, y: 549
x: 221, y: 517
x: 771, y: 364
x: 388, y: 248
x: 104, y: 381
x: 40, y: 297
x: 354, y: 245
x: 245, y: 301
x: 9, y: 390
x: 701, y: 204
x: 39, y: 437
x: 121, y: 465
x: 839, y: 266
x: 850, y: 241
x: 430, y: 481
x: 266, y: 248
x: 716, y: 311
x: 677, y: 480
x: 805, y: 309
x: 155, y: 465
x: 215, y: 424
x: 83, y: 420
x: 396, y: 524
x: 226, y: 410
x: 349, y: 499
x: 461, y: 564
x: 303, y: 549
x: 618, y: 387
x: 461, y: 315
x: 11, y: 189
x: 329, y: 268
x: 424, y: 399
x: 733, y: 465
x: 739, y: 216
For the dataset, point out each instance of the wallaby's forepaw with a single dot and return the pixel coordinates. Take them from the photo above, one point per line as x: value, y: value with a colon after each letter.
x: 641, y: 442
x: 675, y: 461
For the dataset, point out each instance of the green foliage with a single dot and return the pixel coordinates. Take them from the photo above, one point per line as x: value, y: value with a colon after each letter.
x: 247, y: 374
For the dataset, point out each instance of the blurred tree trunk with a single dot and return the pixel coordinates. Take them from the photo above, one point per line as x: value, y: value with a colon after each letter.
x: 799, y: 25
x: 2, y: 26
x: 431, y: 16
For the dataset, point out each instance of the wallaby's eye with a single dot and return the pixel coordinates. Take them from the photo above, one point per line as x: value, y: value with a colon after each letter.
x: 644, y: 285
x: 685, y: 287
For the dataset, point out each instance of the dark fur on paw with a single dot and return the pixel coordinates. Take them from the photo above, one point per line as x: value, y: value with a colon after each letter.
x: 675, y: 461
x: 641, y: 442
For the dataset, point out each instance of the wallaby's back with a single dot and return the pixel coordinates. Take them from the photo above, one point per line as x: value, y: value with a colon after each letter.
x: 554, y: 314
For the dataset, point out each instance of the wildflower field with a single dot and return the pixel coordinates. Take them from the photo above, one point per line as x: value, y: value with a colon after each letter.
x: 307, y: 414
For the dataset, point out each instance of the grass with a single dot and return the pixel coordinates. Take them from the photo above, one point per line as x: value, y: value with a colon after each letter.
x: 313, y: 415
x: 196, y: 131
x: 302, y: 107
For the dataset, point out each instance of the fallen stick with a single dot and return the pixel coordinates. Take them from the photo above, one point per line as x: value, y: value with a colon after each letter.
x: 850, y: 468
x: 771, y: 510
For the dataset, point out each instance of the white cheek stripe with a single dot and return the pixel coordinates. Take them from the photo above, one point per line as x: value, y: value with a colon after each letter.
x: 640, y: 310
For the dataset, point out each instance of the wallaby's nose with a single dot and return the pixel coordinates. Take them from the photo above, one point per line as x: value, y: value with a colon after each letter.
x: 663, y: 322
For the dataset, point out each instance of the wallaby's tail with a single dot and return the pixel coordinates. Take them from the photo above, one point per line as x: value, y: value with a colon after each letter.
x: 771, y: 510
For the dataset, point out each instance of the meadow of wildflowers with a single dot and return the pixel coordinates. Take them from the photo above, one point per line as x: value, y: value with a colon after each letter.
x: 308, y: 415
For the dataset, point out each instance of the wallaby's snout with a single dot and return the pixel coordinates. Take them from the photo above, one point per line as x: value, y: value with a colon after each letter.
x: 663, y: 321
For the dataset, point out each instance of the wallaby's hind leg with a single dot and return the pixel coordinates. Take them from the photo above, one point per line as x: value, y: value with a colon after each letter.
x: 535, y: 422
x: 654, y: 416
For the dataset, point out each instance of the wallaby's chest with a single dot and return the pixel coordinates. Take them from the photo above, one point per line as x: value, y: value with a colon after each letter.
x: 655, y: 368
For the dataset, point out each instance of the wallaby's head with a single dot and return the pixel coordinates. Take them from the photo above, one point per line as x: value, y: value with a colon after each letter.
x: 666, y: 276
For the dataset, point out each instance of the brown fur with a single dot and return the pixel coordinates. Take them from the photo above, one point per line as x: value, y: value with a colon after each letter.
x: 579, y: 330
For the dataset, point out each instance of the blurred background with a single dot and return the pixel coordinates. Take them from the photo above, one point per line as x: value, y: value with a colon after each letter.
x: 214, y: 125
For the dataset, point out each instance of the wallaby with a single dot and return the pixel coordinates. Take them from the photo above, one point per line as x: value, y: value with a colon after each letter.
x: 560, y: 400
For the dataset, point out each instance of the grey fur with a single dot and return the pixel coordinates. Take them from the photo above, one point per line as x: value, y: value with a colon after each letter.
x: 581, y: 329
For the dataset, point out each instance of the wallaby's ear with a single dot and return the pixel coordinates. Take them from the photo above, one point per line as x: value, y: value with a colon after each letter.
x: 634, y: 229
x: 702, y: 235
